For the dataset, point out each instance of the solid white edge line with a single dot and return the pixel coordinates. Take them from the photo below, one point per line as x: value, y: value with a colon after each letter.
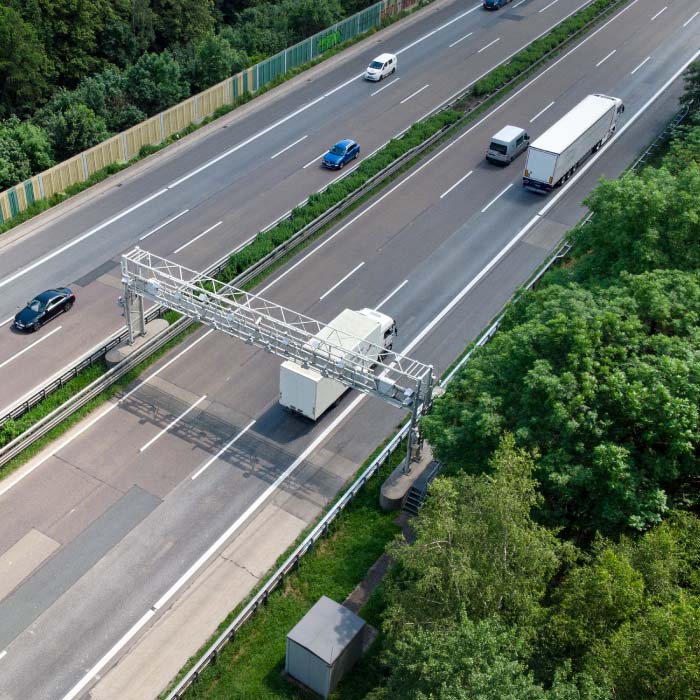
x: 466, y: 36
x: 29, y: 347
x: 518, y: 4
x: 196, y: 238
x: 337, y: 284
x: 546, y: 7
x: 687, y: 22
x: 491, y: 44
x: 80, y: 686
x: 24, y: 473
x: 261, y: 499
x: 385, y: 299
x: 213, y: 459
x: 163, y: 225
x: 603, y: 60
x: 466, y: 132
x: 497, y: 197
x: 3, y: 654
x: 413, y: 94
x: 179, y: 418
x: 275, y: 222
x: 658, y: 13
x: 648, y: 58
x: 376, y: 92
x: 291, y: 145
x: 541, y: 112
x: 459, y: 182
x: 79, y: 239
x: 7, y: 320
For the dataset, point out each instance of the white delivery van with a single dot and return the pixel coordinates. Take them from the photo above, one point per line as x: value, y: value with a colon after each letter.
x: 366, y: 332
x: 385, y: 64
x: 507, y: 145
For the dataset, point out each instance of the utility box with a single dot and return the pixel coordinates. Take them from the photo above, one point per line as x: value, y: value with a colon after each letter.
x: 324, y: 646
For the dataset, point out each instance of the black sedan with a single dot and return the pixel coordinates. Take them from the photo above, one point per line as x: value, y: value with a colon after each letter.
x: 44, y: 307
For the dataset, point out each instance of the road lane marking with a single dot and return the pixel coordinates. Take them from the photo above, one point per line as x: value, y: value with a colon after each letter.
x: 337, y: 284
x: 462, y: 38
x: 687, y: 22
x: 291, y: 145
x: 79, y: 239
x: 497, y: 197
x: 518, y: 4
x: 274, y: 223
x: 661, y: 11
x: 487, y: 45
x: 196, y: 238
x: 80, y: 686
x: 211, y: 461
x: 541, y: 112
x: 413, y: 94
x: 163, y: 225
x: 546, y: 7
x: 603, y: 60
x: 385, y: 299
x: 179, y: 418
x: 376, y: 92
x: 648, y: 58
x: 51, y: 452
x: 7, y: 320
x: 311, y: 162
x: 459, y: 182
x: 3, y: 654
x: 29, y: 347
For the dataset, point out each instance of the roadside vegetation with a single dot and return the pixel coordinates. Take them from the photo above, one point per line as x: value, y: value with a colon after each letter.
x: 558, y: 556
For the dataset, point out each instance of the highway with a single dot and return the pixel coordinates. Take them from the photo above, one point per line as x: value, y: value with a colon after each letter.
x: 199, y: 202
x: 109, y: 526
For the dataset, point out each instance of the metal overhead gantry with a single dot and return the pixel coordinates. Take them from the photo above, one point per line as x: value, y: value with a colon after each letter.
x: 396, y: 379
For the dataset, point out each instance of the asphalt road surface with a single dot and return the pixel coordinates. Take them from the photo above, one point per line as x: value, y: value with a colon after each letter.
x: 104, y: 528
x: 198, y: 203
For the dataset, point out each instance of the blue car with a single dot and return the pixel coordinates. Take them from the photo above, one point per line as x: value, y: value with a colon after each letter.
x: 343, y: 152
x: 494, y: 4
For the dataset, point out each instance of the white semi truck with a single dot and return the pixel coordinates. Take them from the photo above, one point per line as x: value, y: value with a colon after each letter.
x: 553, y: 157
x: 366, y: 332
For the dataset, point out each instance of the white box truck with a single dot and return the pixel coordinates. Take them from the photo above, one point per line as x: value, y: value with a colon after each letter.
x: 553, y: 157
x: 306, y: 391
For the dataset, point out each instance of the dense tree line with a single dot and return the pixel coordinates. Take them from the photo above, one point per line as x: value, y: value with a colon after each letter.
x: 558, y: 558
x: 72, y: 72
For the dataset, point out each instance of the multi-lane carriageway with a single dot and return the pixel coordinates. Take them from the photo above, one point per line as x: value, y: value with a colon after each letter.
x: 112, y: 524
x: 199, y: 202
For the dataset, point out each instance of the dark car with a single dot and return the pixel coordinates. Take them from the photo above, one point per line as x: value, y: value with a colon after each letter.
x: 343, y: 152
x: 44, y: 307
x: 494, y: 4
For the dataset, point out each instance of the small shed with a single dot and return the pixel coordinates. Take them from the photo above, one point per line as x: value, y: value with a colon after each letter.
x: 324, y: 645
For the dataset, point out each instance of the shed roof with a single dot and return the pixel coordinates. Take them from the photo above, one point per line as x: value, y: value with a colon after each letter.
x: 326, y: 629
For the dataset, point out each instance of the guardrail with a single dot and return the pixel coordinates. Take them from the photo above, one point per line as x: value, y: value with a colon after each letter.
x: 277, y: 578
x: 36, y: 431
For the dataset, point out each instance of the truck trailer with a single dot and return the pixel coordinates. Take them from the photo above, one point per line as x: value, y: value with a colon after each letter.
x: 305, y: 391
x: 553, y: 157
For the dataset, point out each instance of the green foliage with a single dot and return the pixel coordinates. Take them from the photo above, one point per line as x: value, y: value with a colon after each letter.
x: 178, y: 22
x: 155, y: 82
x: 24, y: 149
x: 477, y: 550
x: 691, y: 93
x: 73, y: 130
x: 605, y: 385
x: 213, y: 60
x: 25, y: 69
x: 641, y: 222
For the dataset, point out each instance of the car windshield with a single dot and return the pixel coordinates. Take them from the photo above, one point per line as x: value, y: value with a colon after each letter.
x: 376, y: 64
x: 338, y: 150
x: 498, y: 147
x: 36, y: 305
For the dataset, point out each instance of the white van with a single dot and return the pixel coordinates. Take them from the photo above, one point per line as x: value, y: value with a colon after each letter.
x: 383, y: 65
x: 507, y: 145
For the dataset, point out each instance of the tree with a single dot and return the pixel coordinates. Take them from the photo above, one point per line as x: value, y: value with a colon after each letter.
x: 604, y: 384
x: 182, y: 21
x: 640, y: 222
x: 74, y: 130
x: 155, y: 82
x: 24, y: 67
x: 24, y: 151
x: 307, y: 17
x: 477, y: 549
x: 656, y: 655
x: 691, y: 96
x: 213, y: 60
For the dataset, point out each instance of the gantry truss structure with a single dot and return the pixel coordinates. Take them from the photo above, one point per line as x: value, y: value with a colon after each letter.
x: 396, y: 379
